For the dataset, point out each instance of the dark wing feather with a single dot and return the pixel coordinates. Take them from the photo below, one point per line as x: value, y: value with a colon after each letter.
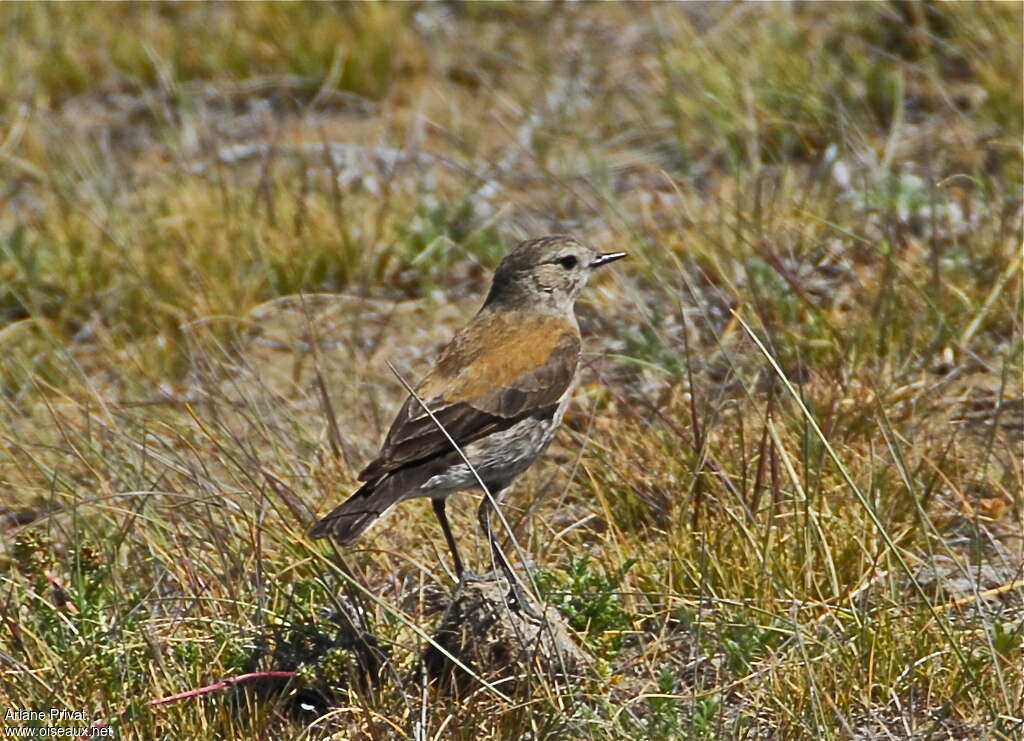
x: 414, y: 436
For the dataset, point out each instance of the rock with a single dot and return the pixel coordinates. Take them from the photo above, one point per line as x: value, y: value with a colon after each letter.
x: 502, y: 645
x: 946, y: 579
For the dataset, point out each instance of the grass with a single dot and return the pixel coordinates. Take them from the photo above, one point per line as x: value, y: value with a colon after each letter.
x: 788, y: 501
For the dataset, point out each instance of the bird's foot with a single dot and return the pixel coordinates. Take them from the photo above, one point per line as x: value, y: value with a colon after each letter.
x: 471, y: 577
x: 518, y: 601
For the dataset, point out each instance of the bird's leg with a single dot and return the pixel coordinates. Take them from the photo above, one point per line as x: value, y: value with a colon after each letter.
x: 484, y: 516
x: 443, y: 519
x: 516, y: 599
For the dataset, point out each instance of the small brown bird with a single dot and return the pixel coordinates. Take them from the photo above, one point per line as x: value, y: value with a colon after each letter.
x: 499, y: 390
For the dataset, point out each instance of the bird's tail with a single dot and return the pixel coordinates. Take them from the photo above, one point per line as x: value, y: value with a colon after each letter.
x: 351, y: 518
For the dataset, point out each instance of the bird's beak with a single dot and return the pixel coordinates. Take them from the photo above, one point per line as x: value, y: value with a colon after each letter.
x: 606, y: 258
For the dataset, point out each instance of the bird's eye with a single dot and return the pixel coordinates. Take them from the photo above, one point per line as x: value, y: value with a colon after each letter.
x: 568, y: 261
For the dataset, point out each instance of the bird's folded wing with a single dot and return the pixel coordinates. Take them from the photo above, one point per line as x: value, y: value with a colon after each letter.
x: 495, y: 372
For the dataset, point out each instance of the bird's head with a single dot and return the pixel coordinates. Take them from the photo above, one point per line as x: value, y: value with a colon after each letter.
x: 547, y: 272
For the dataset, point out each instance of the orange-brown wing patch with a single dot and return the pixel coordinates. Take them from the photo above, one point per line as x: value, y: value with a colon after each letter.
x: 497, y: 370
x: 495, y: 352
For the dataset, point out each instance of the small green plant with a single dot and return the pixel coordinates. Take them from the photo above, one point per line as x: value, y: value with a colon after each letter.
x: 590, y: 598
x: 703, y: 722
x: 1007, y: 638
x: 665, y: 711
x: 745, y: 644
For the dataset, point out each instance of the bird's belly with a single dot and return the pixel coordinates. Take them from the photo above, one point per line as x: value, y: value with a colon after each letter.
x: 497, y: 458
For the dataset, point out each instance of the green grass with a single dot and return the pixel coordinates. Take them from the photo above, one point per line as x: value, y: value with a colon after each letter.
x: 788, y: 501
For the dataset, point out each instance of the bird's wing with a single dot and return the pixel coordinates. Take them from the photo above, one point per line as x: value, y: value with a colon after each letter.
x: 498, y: 370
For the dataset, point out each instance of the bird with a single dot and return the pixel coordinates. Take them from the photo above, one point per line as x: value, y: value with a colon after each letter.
x: 498, y: 391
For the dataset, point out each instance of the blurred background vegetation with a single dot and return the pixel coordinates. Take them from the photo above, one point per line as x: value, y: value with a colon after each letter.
x: 218, y: 221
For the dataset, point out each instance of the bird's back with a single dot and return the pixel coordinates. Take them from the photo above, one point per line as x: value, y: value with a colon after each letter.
x: 499, y: 368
